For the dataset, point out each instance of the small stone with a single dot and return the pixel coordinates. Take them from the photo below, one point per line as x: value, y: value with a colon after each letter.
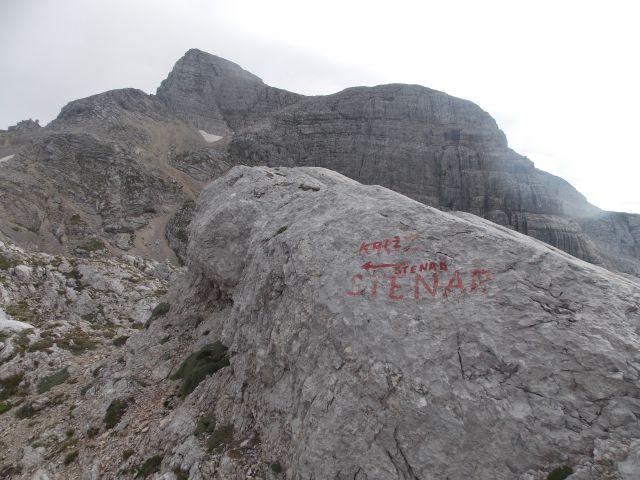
x: 22, y: 272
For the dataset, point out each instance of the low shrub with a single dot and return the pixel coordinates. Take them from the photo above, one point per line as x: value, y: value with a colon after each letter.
x: 5, y: 407
x: 71, y: 457
x: 221, y: 437
x: 42, y: 345
x: 93, y: 245
x: 206, y: 361
x: 150, y: 466
x: 115, y: 412
x: 205, y: 425
x: 120, y: 341
x: 26, y: 411
x: 160, y: 310
x: 47, y: 383
x: 77, y: 342
x: 11, y: 386
x: 560, y: 473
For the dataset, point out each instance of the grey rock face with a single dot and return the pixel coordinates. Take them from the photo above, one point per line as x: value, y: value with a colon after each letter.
x: 114, y: 105
x: 80, y: 313
x: 400, y: 341
x: 177, y: 231
x: 203, y: 164
x: 440, y: 150
x: 25, y: 125
x: 218, y: 96
x: 109, y: 191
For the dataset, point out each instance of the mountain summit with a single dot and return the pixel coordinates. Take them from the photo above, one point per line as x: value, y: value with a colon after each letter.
x: 218, y: 96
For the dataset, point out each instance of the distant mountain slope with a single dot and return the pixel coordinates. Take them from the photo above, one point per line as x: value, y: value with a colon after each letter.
x: 440, y: 150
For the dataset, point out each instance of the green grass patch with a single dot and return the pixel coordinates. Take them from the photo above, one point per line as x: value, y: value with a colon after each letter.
x: 26, y: 411
x: 20, y: 311
x: 115, y: 412
x: 58, y: 378
x: 70, y: 457
x: 93, y: 245
x: 276, y: 468
x: 560, y: 473
x: 160, y: 310
x: 120, y: 341
x: 92, y: 432
x: 220, y: 438
x: 150, y: 466
x: 42, y: 345
x: 206, y: 361
x: 76, y: 341
x: 11, y: 386
x: 75, y: 220
x: 5, y: 407
x: 74, y: 274
x: 36, y: 262
x: 205, y: 425
x: 3, y: 335
x: 6, y: 263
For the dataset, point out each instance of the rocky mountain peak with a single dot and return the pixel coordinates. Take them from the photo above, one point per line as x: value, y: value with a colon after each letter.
x: 25, y: 125
x: 202, y: 89
x: 197, y: 61
x: 218, y: 96
x: 111, y: 105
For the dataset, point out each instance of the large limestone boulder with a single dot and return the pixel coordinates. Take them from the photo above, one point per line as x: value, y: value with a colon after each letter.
x: 373, y: 337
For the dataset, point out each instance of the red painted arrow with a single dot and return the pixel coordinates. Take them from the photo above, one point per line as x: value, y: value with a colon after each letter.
x: 367, y: 266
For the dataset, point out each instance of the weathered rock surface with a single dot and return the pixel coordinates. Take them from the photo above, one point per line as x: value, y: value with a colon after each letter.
x: 218, y: 96
x: 63, y: 320
x: 521, y: 359
x: 112, y: 168
x: 25, y: 125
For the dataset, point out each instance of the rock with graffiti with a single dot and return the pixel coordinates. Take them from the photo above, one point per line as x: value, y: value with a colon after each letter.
x: 395, y: 268
x: 373, y: 337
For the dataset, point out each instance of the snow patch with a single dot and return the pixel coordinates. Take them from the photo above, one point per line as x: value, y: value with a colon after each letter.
x: 4, y: 159
x: 209, y: 137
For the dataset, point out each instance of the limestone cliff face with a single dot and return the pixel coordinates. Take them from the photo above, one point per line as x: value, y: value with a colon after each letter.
x: 218, y: 96
x: 437, y: 149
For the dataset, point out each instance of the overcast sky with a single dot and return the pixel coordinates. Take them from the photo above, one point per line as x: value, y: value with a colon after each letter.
x: 560, y: 78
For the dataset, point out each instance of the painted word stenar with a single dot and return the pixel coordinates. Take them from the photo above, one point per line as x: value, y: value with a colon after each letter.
x: 396, y: 287
x: 403, y: 279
